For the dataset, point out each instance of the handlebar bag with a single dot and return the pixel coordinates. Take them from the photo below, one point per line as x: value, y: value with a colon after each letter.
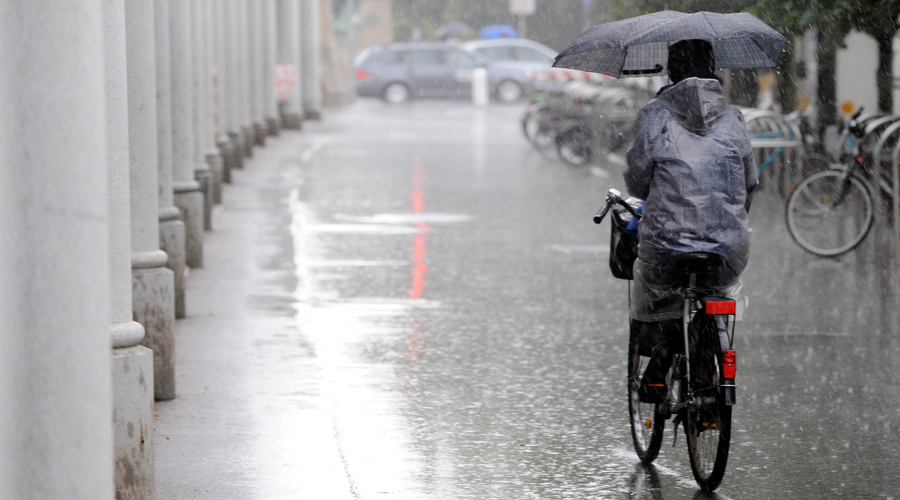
x: 623, y: 245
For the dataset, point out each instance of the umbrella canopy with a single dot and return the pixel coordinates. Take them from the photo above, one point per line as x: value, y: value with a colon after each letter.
x: 498, y: 31
x: 450, y: 30
x: 640, y: 45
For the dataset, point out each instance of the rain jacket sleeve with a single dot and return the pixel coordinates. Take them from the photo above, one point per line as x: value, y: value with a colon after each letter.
x: 647, y: 127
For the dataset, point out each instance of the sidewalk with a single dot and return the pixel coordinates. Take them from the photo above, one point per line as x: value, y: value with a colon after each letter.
x: 249, y: 420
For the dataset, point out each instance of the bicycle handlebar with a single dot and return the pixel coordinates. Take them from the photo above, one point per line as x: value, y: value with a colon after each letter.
x: 614, y: 196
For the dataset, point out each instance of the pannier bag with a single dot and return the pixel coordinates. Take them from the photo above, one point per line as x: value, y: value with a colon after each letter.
x: 623, y: 244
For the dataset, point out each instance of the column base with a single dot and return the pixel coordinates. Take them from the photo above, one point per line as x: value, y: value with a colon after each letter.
x: 274, y: 125
x: 237, y: 150
x: 189, y: 199
x: 312, y: 114
x: 260, y: 131
x: 225, y: 150
x: 153, y: 300
x: 132, y: 376
x: 292, y: 121
x: 205, y: 177
x: 216, y: 163
x: 247, y: 140
x: 171, y: 241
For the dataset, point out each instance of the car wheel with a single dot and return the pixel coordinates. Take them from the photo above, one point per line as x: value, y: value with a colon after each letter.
x: 509, y: 91
x: 396, y: 93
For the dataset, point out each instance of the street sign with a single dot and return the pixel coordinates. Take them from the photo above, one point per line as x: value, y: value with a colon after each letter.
x: 522, y: 7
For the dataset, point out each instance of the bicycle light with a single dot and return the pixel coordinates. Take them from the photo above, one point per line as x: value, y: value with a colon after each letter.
x: 720, y: 307
x: 729, y: 364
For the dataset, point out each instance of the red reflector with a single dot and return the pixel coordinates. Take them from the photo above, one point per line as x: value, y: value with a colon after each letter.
x: 720, y: 307
x: 729, y: 364
x: 362, y: 74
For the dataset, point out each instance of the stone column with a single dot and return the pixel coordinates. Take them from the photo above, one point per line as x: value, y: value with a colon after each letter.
x: 244, y: 70
x: 56, y: 434
x: 152, y: 284
x: 256, y: 58
x: 171, y: 227
x: 289, y: 53
x: 222, y: 89
x: 270, y: 44
x: 310, y: 19
x: 235, y: 107
x: 202, y: 119
x: 132, y: 364
x: 209, y: 139
x: 187, y: 195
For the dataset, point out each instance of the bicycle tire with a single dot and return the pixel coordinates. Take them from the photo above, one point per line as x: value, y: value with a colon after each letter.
x: 573, y: 147
x: 708, y: 429
x: 822, y: 227
x: 793, y: 174
x: 646, y: 422
x: 539, y: 128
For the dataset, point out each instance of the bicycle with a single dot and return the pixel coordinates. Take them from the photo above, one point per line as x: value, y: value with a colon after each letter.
x: 701, y: 381
x: 831, y: 212
x: 784, y: 147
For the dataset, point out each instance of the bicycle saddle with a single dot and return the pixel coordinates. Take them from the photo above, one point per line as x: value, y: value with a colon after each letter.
x: 698, y: 262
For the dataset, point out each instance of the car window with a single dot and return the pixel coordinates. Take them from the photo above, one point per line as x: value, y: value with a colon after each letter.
x: 425, y: 57
x: 460, y: 59
x: 498, y: 53
x: 529, y: 54
x: 390, y: 57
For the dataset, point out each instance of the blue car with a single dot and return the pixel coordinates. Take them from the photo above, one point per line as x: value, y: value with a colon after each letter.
x: 401, y: 71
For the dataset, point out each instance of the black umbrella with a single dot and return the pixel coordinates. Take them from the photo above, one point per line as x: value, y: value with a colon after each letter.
x: 639, y: 46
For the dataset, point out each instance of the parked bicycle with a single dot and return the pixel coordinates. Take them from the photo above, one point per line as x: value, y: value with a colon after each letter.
x: 832, y: 211
x: 701, y: 381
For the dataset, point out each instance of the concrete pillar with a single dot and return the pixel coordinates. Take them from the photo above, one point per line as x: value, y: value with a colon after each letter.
x: 255, y: 20
x: 222, y: 90
x: 171, y: 227
x: 187, y: 195
x: 235, y: 82
x: 202, y: 118
x: 289, y: 53
x: 56, y: 435
x: 270, y: 44
x: 209, y: 138
x: 244, y: 70
x: 152, y: 284
x: 310, y: 19
x: 132, y: 364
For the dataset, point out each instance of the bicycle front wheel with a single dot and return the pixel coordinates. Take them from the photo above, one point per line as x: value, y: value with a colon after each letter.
x: 647, y: 424
x: 829, y: 214
x: 707, y: 424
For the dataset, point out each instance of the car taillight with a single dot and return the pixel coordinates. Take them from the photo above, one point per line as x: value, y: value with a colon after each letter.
x: 362, y: 74
x: 720, y: 307
x: 729, y: 364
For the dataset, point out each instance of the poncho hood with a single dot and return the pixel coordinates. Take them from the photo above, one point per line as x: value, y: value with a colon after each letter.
x: 697, y: 103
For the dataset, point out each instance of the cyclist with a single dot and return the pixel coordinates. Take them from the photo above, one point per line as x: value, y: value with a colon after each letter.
x: 692, y: 163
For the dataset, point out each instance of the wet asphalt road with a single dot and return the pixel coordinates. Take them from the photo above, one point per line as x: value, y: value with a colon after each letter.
x: 454, y: 293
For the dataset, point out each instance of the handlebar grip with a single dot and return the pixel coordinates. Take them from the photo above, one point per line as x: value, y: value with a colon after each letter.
x: 601, y: 214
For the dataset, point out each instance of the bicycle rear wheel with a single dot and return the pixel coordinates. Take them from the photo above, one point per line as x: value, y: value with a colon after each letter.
x: 822, y: 222
x: 647, y: 424
x: 573, y: 147
x: 707, y: 427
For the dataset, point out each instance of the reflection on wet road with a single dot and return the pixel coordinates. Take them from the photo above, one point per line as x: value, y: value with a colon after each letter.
x: 472, y: 340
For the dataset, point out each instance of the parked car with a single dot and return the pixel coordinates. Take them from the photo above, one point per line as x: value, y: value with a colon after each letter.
x: 525, y: 58
x: 401, y: 71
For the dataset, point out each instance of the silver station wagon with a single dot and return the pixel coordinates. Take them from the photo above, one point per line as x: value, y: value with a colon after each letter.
x: 402, y: 71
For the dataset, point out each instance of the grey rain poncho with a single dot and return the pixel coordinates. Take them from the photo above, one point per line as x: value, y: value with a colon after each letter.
x: 692, y: 163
